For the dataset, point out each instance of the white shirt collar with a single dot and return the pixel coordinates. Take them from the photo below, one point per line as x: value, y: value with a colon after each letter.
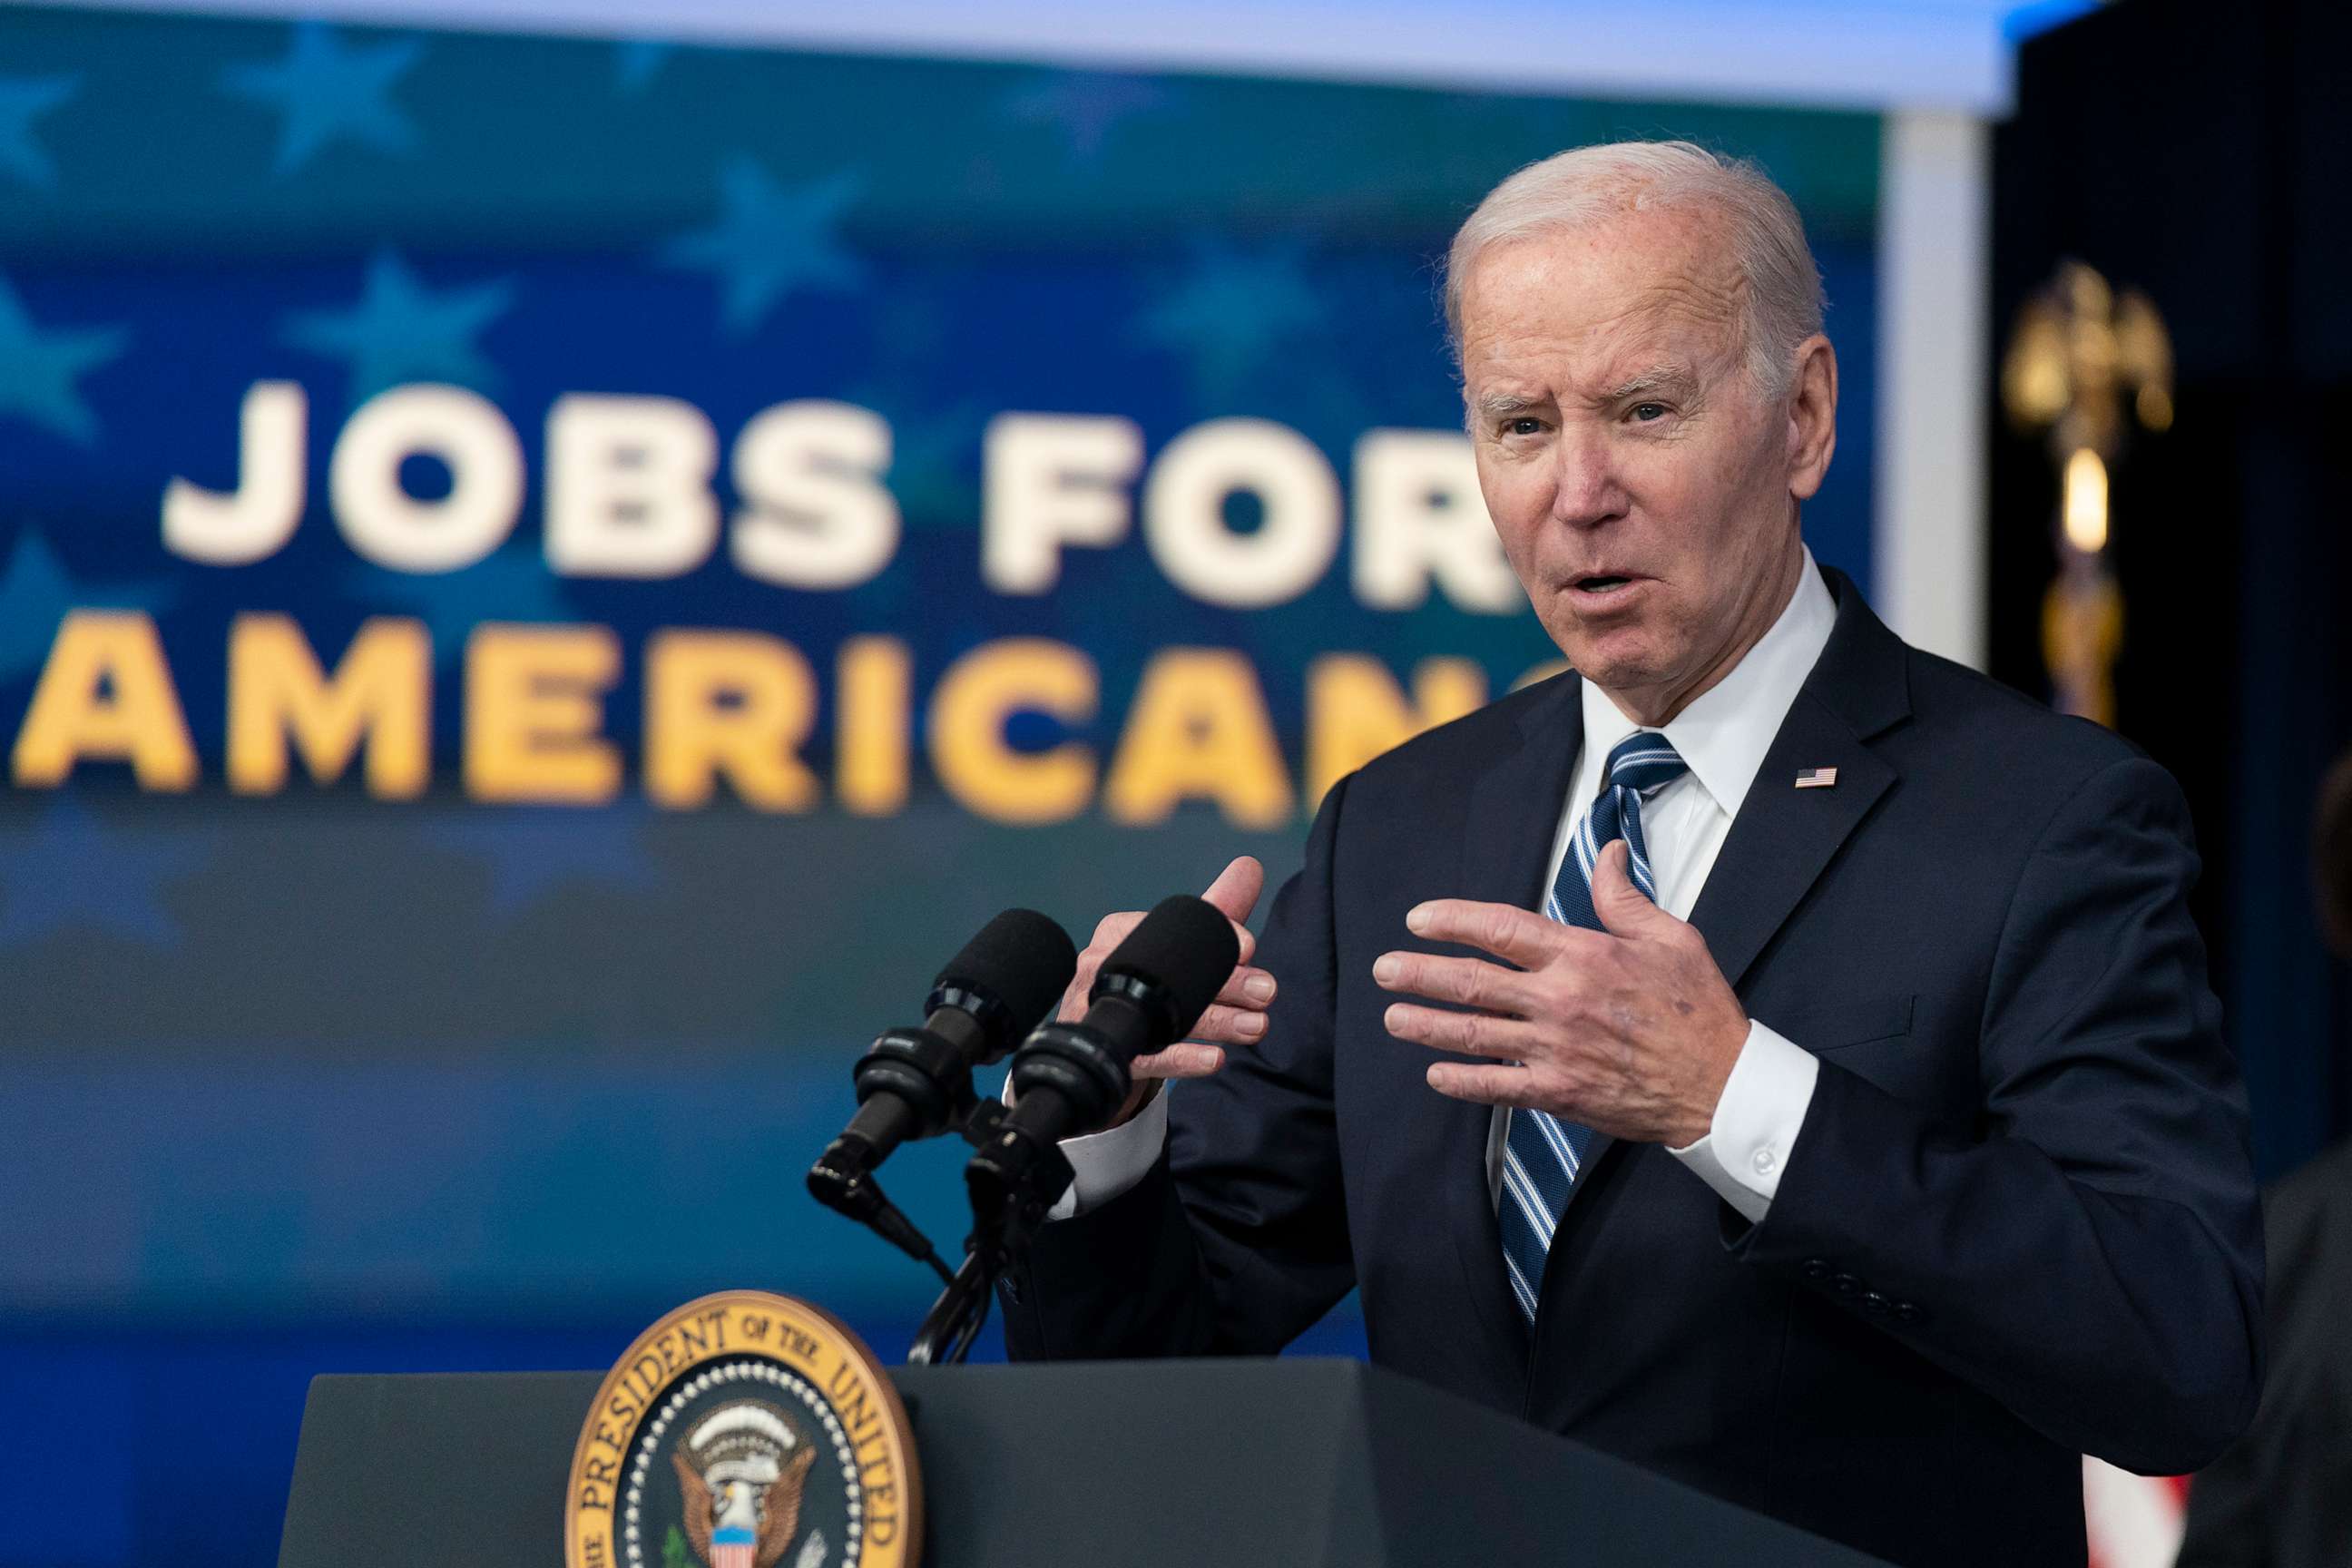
x: 1726, y: 729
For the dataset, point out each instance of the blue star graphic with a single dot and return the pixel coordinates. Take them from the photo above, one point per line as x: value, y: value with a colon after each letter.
x: 1231, y: 312
x: 635, y: 62
x: 513, y: 584
x: 531, y: 851
x: 331, y: 91
x: 769, y: 239
x: 401, y: 330
x: 24, y: 99
x: 38, y: 370
x: 36, y: 591
x: 68, y: 870
x: 1085, y: 107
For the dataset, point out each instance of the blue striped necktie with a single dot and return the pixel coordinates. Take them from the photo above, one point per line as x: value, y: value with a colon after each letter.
x: 1543, y: 1155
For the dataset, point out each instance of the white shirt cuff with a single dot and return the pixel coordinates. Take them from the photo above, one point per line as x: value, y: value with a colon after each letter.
x: 1105, y: 1165
x: 1756, y: 1121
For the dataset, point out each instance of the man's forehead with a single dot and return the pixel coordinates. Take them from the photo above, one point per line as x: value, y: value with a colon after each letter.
x: 1627, y: 247
x: 1614, y: 298
x: 1655, y: 350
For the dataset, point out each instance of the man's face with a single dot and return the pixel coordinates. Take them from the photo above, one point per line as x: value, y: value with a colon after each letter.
x: 1643, y: 489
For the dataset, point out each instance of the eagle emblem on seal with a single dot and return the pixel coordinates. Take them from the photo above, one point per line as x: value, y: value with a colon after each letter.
x: 742, y: 1470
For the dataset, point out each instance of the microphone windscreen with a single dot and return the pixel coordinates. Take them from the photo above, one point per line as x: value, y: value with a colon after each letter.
x: 1187, y: 946
x: 1022, y: 959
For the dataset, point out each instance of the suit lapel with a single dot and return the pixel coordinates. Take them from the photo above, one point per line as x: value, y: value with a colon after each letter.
x: 1784, y: 838
x: 1780, y: 843
x: 1513, y: 811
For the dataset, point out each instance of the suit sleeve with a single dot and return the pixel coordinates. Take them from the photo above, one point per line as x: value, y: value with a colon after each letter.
x: 2089, y: 1252
x: 1236, y: 1241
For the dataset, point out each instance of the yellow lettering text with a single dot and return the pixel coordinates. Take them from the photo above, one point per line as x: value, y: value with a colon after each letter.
x: 969, y: 709
x: 1198, y: 730
x: 382, y: 693
x: 1355, y: 712
x: 534, y: 713
x: 738, y: 703
x: 106, y: 695
x: 874, y: 677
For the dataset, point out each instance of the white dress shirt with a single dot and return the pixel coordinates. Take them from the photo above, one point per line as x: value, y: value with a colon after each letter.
x: 1723, y: 735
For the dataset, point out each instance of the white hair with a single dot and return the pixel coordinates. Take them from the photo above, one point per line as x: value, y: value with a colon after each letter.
x: 1780, y: 286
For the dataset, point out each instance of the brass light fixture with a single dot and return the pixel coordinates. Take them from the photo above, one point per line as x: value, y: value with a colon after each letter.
x: 2077, y: 356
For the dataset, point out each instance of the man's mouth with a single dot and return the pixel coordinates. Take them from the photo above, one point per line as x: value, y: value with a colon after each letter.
x: 1602, y: 583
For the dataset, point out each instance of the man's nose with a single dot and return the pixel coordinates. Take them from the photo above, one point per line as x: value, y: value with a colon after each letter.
x: 1585, y: 488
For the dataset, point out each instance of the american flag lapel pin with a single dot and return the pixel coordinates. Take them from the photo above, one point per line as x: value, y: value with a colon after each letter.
x: 1816, y: 778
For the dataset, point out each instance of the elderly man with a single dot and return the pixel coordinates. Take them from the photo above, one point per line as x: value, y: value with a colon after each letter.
x: 1771, y: 1054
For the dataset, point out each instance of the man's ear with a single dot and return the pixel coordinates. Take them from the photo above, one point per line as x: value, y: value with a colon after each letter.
x: 1812, y: 416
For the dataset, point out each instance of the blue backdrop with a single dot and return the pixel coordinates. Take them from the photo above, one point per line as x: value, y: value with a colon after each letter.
x: 331, y: 1071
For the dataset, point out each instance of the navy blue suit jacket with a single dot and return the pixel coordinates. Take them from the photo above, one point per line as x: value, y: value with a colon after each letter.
x: 2019, y: 1222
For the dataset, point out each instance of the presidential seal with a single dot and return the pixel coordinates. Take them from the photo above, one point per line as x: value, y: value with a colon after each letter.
x: 745, y: 1430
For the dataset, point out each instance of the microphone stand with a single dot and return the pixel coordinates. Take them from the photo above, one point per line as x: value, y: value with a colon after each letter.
x: 1072, y: 1076
x: 1026, y: 1176
x: 843, y: 1181
x: 933, y: 1078
x: 956, y: 1318
x: 840, y: 1185
x: 996, y: 1241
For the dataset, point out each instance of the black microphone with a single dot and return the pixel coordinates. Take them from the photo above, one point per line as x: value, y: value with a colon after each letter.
x: 914, y: 1082
x: 1069, y: 1078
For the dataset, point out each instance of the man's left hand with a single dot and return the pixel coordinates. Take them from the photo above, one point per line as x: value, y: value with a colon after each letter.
x: 1630, y: 1030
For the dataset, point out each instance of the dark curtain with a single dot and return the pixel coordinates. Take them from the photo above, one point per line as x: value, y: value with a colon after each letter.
x: 2204, y: 155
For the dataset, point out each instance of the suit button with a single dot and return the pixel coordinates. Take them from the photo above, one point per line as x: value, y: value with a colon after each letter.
x: 1846, y: 1285
x: 1815, y: 1268
x: 1907, y: 1312
x: 1876, y: 1304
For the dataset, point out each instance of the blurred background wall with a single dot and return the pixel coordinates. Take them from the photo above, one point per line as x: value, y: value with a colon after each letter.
x: 770, y: 490
x: 2201, y: 157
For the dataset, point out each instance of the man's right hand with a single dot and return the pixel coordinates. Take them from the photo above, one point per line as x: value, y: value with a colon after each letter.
x: 1237, y: 1017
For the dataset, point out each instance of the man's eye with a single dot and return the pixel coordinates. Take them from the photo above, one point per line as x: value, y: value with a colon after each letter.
x: 1525, y: 425
x: 1645, y: 411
